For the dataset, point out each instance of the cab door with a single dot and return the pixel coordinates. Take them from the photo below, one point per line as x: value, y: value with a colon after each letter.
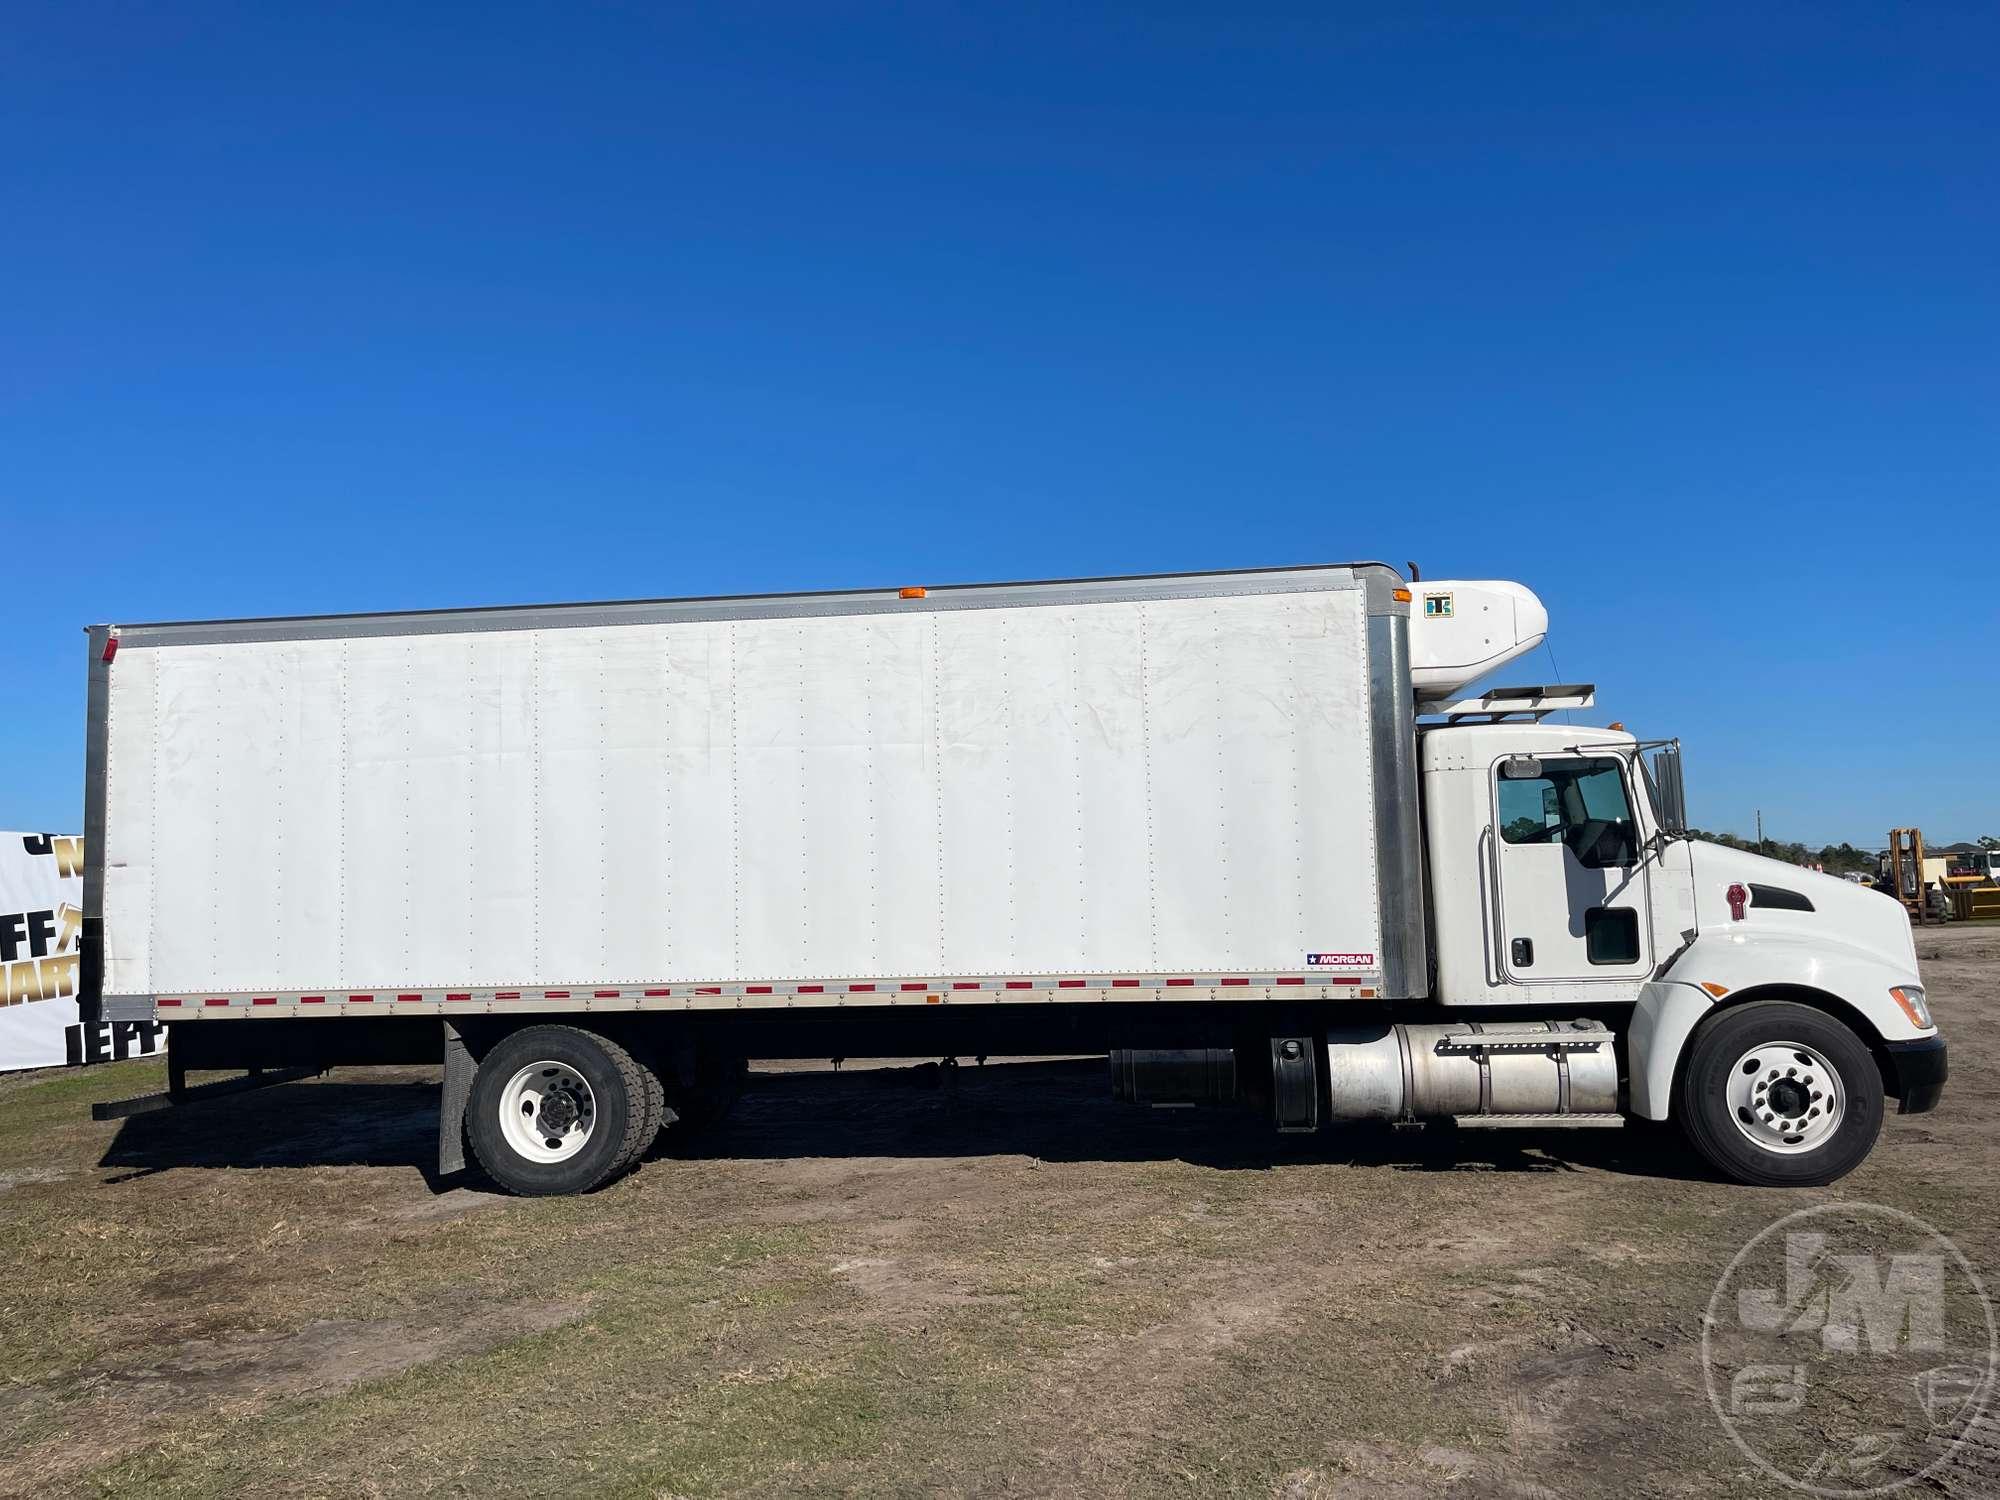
x: 1572, y: 879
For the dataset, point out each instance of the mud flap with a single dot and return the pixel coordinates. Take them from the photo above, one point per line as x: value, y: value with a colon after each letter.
x: 458, y: 1067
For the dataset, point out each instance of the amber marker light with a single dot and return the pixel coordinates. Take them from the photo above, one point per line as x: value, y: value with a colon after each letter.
x: 1910, y: 1000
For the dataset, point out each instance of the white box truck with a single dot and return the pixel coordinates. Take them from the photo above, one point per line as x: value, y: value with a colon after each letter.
x: 1242, y: 832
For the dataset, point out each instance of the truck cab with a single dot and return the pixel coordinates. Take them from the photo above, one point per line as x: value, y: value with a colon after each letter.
x: 1562, y: 878
x: 1980, y: 867
x: 1576, y: 898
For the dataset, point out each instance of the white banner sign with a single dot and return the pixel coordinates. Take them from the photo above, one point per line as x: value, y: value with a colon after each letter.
x: 41, y: 922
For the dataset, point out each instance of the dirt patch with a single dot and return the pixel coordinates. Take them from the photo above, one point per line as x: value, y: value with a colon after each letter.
x: 15, y: 1176
x: 897, y: 1291
x: 1385, y: 1471
x: 108, y: 1406
x: 454, y: 1203
x: 323, y: 1357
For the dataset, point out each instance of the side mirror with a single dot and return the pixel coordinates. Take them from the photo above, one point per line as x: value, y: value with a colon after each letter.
x: 1520, y: 768
x: 1660, y: 761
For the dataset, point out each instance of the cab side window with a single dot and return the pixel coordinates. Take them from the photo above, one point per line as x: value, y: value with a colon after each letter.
x: 1580, y: 804
x: 1530, y: 811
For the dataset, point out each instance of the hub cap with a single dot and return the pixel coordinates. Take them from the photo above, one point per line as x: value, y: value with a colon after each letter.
x: 547, y: 1112
x: 1785, y: 1097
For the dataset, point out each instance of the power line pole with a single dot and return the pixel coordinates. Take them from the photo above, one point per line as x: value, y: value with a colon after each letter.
x: 1760, y: 830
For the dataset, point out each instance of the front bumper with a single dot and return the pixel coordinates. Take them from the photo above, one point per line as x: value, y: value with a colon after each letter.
x: 1916, y: 1073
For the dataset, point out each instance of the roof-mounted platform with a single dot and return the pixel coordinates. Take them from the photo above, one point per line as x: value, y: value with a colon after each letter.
x: 1530, y: 703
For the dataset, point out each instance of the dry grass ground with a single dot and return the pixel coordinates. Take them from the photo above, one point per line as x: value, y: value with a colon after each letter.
x: 868, y: 1287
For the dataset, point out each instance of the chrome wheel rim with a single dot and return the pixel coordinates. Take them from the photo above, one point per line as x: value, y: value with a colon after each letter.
x: 547, y: 1112
x: 1785, y: 1097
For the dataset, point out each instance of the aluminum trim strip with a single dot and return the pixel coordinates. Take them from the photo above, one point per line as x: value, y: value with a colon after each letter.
x: 1374, y: 577
x: 96, y: 798
x: 482, y: 1000
x: 1398, y: 813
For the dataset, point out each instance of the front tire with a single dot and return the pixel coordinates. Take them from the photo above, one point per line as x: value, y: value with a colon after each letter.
x: 1777, y: 1094
x: 556, y: 1109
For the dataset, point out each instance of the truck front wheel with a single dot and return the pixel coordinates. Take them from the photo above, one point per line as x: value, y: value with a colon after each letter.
x: 1777, y: 1094
x: 555, y: 1109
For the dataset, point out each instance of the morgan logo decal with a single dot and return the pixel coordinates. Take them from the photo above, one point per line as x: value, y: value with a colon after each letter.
x: 1340, y: 960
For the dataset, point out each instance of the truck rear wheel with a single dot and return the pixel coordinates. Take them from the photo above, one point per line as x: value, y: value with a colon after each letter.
x: 555, y: 1109
x: 654, y: 1114
x: 1777, y: 1094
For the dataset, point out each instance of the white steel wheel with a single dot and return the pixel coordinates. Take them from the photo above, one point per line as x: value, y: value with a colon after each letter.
x: 1785, y: 1097
x: 1780, y: 1094
x: 547, y: 1112
x: 556, y: 1109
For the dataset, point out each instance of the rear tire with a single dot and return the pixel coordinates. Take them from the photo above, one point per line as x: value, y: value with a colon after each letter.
x: 556, y: 1109
x: 656, y: 1115
x: 1777, y: 1094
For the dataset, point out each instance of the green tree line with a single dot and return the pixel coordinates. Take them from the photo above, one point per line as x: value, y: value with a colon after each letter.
x: 1835, y: 859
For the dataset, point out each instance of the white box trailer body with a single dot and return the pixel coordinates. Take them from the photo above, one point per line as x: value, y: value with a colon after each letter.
x: 1196, y: 783
x: 1231, y: 829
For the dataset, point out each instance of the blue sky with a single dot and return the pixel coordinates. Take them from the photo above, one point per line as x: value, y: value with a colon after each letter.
x: 1688, y: 318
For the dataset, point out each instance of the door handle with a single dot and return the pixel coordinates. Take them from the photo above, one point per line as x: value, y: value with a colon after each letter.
x: 1523, y: 951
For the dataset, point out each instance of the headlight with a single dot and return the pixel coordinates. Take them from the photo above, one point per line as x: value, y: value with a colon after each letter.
x: 1910, y: 998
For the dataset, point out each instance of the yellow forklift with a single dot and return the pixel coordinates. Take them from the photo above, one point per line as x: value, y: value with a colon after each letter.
x: 1906, y: 868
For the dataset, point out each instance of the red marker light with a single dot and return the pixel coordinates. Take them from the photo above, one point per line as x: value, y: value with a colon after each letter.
x: 110, y: 647
x: 1737, y: 898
